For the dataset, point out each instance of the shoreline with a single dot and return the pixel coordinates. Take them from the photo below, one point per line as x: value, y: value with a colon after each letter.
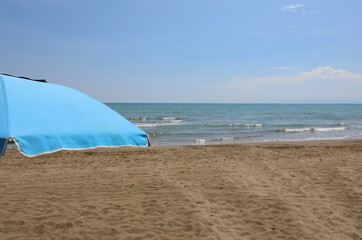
x: 13, y: 147
x: 269, y: 190
x: 291, y: 142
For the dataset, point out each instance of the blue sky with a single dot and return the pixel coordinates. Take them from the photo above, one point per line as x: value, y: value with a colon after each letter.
x: 239, y: 51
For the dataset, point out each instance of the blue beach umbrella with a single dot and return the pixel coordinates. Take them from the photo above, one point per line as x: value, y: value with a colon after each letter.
x: 42, y: 117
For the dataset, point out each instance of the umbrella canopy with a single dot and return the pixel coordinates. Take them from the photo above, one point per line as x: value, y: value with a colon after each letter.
x: 42, y: 117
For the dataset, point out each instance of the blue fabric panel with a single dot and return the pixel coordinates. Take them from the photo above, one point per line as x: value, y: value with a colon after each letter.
x: 46, y: 117
x: 4, y: 130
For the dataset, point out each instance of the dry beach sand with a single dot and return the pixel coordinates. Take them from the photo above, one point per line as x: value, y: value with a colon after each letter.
x: 302, y: 190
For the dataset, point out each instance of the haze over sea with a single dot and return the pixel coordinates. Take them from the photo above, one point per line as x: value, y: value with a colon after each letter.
x: 190, y: 124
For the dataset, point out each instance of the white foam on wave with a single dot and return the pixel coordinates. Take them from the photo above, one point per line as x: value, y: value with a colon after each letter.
x: 158, y: 124
x: 329, y: 129
x: 146, y: 125
x: 312, y: 129
x: 305, y: 139
x: 253, y: 125
x: 222, y: 139
x: 200, y: 141
x: 171, y: 119
x: 174, y: 121
x: 244, y: 125
x: 298, y: 130
x: 142, y: 119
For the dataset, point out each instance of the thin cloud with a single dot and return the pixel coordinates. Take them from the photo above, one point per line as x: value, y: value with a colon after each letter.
x: 328, y: 72
x: 292, y: 8
x: 323, y: 83
x: 281, y: 68
x: 317, y: 74
x: 314, y: 12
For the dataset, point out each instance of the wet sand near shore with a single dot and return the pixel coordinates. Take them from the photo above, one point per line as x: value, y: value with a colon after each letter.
x: 300, y: 190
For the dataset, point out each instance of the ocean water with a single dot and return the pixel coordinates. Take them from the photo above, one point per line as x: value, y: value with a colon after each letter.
x: 196, y: 124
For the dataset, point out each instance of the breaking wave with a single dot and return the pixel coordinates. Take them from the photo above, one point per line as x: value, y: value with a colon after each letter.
x: 235, y: 125
x: 146, y: 125
x: 159, y: 123
x: 171, y: 119
x: 329, y: 129
x: 141, y: 119
x: 223, y: 139
x: 310, y: 129
x: 201, y: 141
x: 253, y: 125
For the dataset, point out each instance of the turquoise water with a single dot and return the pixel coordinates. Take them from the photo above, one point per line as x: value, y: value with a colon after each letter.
x: 189, y: 124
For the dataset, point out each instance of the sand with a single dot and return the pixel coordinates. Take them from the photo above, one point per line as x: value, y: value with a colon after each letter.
x: 302, y: 190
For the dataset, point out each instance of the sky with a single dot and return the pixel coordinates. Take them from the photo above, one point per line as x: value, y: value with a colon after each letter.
x: 189, y: 51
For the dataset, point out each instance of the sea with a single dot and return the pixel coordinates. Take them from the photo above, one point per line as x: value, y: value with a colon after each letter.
x: 199, y: 124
